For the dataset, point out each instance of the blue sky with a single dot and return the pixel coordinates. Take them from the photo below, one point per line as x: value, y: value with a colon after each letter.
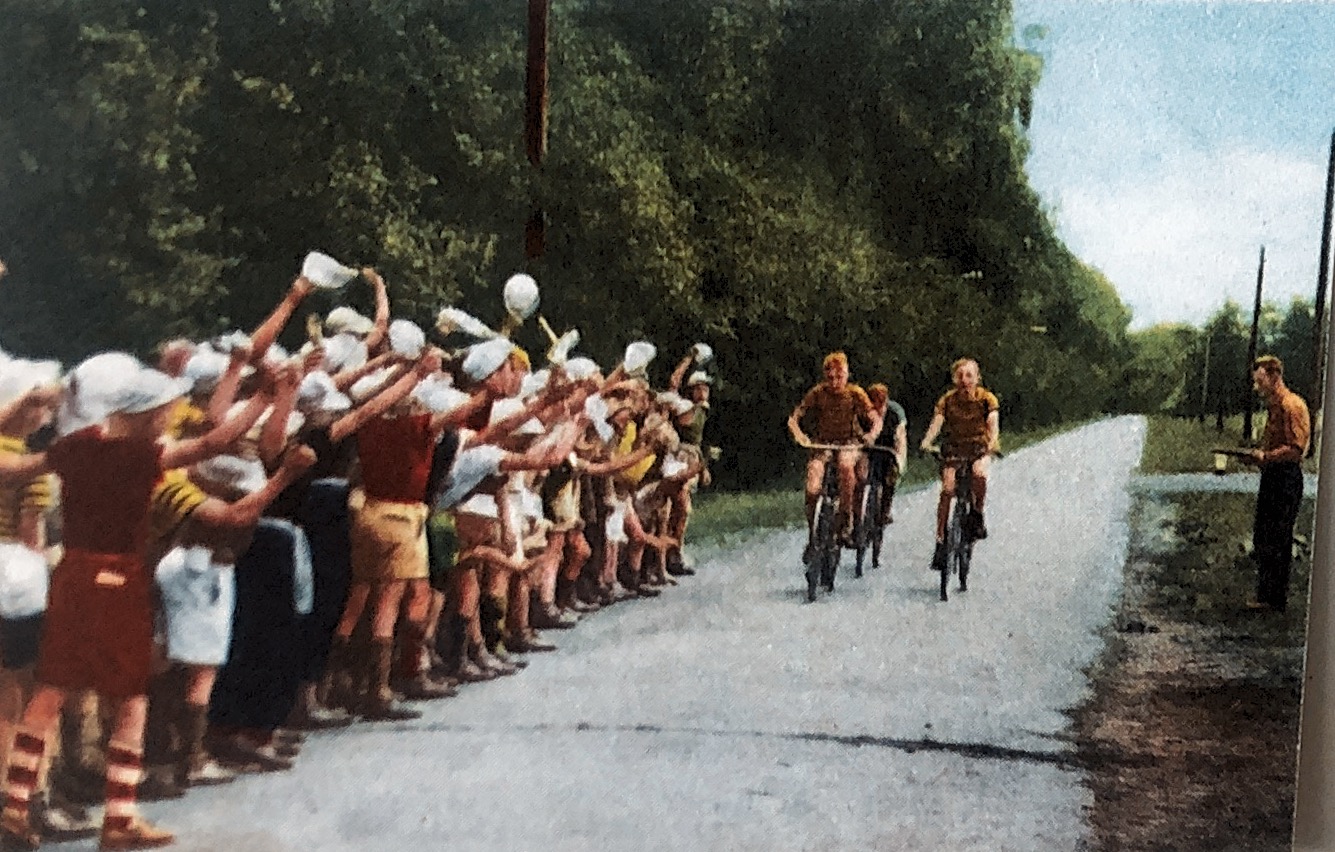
x: 1170, y: 140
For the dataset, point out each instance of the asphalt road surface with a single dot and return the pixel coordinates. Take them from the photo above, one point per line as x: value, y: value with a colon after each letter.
x: 729, y: 714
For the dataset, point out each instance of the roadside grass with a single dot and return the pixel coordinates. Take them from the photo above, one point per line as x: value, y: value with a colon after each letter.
x: 1181, y: 445
x: 717, y: 514
x: 1208, y: 574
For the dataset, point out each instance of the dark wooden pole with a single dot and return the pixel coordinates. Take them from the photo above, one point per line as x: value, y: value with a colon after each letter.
x: 1251, y: 352
x: 1322, y: 283
x: 535, y: 119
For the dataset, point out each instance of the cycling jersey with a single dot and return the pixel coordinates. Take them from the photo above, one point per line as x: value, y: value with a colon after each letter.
x: 966, y: 416
x: 837, y: 413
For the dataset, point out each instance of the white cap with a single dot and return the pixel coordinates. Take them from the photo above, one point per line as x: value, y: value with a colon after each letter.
x: 367, y: 385
x: 345, y: 319
x: 230, y: 341
x: 295, y: 420
x: 699, y: 377
x: 638, y: 355
x: 580, y: 369
x: 486, y: 358
x: 534, y: 382
x: 675, y: 402
x: 672, y: 466
x: 19, y: 376
x: 89, y: 388
x: 438, y: 395
x: 275, y: 354
x: 560, y: 350
x: 318, y: 392
x: 521, y: 295
x: 205, y: 368
x: 510, y: 406
x: 147, y: 390
x: 232, y: 472
x: 343, y: 351
x: 595, y: 407
x: 451, y: 319
x: 325, y: 272
x: 406, y: 338
x: 702, y: 353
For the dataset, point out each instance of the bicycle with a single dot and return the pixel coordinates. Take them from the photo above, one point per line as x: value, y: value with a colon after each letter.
x: 870, y: 530
x: 824, y: 550
x: 962, y: 525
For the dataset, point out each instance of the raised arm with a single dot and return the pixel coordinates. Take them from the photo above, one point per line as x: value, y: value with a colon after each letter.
x: 218, y: 439
x: 377, y: 337
x: 679, y: 374
x: 347, y: 378
x: 246, y: 512
x: 225, y: 393
x: 399, y: 384
x: 268, y: 330
x: 273, y: 436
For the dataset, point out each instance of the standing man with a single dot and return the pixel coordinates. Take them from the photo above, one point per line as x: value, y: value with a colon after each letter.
x: 1288, y: 429
x: 969, y: 413
x: 840, y: 408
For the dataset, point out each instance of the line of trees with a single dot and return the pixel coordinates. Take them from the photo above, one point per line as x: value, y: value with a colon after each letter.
x: 1203, y: 372
x: 778, y: 178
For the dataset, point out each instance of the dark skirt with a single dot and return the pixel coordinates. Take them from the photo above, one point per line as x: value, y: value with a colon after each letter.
x: 257, y: 687
x: 324, y: 517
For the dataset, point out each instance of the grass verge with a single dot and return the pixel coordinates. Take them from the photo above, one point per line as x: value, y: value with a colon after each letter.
x: 1189, y: 739
x: 1181, y: 445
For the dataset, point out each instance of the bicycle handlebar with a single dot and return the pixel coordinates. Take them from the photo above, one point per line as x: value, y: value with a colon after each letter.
x: 847, y: 447
x: 935, y: 452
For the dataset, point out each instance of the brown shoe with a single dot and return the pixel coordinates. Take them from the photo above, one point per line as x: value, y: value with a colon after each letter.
x: 423, y: 688
x: 530, y: 643
x: 139, y: 833
x: 551, y: 618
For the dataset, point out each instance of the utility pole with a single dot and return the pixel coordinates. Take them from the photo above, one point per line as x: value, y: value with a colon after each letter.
x: 1205, y: 376
x: 1251, y: 353
x: 1322, y: 283
x: 535, y: 120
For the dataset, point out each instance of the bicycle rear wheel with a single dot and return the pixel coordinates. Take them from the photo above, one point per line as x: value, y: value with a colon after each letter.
x: 866, y: 523
x: 956, y: 542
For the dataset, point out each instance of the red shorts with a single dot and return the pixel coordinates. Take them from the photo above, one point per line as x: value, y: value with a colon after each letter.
x: 99, y: 625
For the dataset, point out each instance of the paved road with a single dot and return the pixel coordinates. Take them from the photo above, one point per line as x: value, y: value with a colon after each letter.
x: 730, y: 715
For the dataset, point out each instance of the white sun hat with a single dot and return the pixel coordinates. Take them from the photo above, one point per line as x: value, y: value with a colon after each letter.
x: 89, y: 388
x: 343, y: 351
x: 699, y: 377
x: 486, y: 358
x: 677, y: 403
x: 406, y: 338
x: 595, y: 408
x: 560, y: 350
x: 365, y: 387
x: 205, y: 368
x: 19, y: 376
x: 325, y: 272
x: 317, y: 392
x: 149, y: 389
x: 533, y: 383
x: 345, y: 319
x: 231, y: 472
x: 579, y: 369
x: 510, y: 406
x: 637, y: 357
x: 521, y: 296
x: 231, y: 341
x: 438, y: 394
x: 703, y: 353
x: 453, y: 319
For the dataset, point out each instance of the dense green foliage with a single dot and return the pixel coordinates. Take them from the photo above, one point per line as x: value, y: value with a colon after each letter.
x: 776, y: 178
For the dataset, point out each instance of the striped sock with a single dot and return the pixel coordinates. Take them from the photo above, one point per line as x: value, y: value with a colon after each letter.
x: 125, y: 769
x: 21, y: 779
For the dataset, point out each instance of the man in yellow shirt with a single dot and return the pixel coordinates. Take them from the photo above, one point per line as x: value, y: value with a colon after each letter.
x: 969, y: 414
x: 839, y: 408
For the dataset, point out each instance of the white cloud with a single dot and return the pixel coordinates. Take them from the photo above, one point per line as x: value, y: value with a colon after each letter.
x: 1178, y: 241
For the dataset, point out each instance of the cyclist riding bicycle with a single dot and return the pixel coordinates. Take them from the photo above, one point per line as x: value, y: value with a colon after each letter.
x: 886, y: 468
x: 972, y: 423
x: 839, y: 408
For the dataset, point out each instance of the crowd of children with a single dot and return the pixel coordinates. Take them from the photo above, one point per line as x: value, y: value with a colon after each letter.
x: 203, y: 559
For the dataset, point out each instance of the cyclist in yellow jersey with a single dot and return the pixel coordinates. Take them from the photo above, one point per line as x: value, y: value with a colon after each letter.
x: 838, y: 407
x: 972, y: 422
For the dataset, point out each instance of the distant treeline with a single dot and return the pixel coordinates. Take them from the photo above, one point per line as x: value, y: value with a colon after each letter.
x: 776, y: 178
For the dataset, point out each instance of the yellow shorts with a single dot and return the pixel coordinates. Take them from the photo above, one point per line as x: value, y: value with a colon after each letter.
x: 388, y: 540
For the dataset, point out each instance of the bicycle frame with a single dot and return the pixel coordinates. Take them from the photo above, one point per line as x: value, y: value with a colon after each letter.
x: 823, y: 556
